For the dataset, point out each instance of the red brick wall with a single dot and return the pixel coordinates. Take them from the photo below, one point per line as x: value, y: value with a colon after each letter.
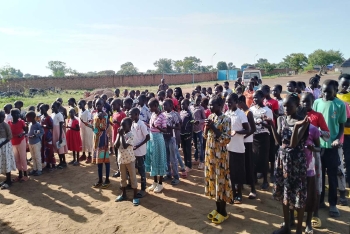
x: 88, y: 83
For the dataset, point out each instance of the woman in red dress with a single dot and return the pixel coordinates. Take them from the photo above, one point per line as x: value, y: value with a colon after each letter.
x: 73, y: 137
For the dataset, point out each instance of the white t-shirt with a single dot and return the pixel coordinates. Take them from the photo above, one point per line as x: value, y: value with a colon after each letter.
x: 258, y: 114
x: 57, y: 118
x: 140, y: 132
x: 8, y: 118
x: 280, y: 107
x: 237, y: 141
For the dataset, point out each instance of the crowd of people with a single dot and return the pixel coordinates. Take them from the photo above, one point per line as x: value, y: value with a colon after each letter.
x: 239, y: 135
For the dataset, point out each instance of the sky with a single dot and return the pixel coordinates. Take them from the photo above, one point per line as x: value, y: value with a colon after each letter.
x: 91, y: 35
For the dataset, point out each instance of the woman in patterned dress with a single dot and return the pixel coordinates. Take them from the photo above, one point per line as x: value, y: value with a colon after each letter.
x: 217, y: 174
x: 290, y: 166
x: 47, y: 154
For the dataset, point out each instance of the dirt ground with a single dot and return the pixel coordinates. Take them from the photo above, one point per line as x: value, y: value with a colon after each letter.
x: 63, y: 201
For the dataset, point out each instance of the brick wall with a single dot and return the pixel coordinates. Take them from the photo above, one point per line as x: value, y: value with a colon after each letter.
x: 89, y: 83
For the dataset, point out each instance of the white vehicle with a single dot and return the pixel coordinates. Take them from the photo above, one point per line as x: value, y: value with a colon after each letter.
x: 249, y: 73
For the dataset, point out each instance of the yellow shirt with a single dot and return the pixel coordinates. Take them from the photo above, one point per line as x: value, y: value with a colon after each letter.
x: 345, y: 98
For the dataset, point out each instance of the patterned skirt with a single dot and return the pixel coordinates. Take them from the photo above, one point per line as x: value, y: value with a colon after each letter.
x: 290, y: 172
x: 156, y: 162
x: 7, y: 159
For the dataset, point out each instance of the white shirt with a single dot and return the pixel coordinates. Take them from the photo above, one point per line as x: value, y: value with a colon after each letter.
x: 140, y: 132
x: 8, y: 118
x: 258, y: 114
x: 57, y: 118
x: 237, y: 141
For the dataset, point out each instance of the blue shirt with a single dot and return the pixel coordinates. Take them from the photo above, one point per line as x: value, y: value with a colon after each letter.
x: 37, y: 131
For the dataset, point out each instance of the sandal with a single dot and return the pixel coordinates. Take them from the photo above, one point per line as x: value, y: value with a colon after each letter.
x: 96, y: 185
x: 238, y: 199
x: 218, y: 219
x: 252, y: 195
x: 105, y: 185
x: 25, y: 178
x: 184, y: 174
x: 212, y: 214
x: 141, y: 194
x: 136, y: 201
x: 16, y: 179
x: 316, y: 222
x: 120, y: 198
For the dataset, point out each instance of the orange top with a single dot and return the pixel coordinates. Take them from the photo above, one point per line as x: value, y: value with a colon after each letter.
x: 248, y: 97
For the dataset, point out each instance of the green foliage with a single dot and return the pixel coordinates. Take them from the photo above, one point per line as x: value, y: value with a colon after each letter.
x: 106, y: 73
x: 325, y: 57
x: 128, y: 69
x: 188, y: 64
x: 7, y: 72
x: 164, y: 65
x: 230, y: 66
x: 309, y: 67
x: 222, y: 65
x: 296, y: 61
x: 58, y: 68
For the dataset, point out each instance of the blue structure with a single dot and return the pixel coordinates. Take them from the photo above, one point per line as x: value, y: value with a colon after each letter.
x: 227, y: 75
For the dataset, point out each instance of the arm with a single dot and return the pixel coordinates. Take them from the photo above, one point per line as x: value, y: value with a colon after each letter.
x: 251, y: 124
x: 347, y: 124
x: 316, y: 147
x: 117, y: 142
x: 275, y: 114
x: 143, y: 142
x: 8, y: 135
x: 125, y: 145
x: 245, y: 130
x: 275, y: 131
x: 77, y: 128
x: 336, y: 142
x: 61, y: 130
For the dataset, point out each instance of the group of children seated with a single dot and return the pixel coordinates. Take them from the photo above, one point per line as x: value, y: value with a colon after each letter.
x: 239, y: 136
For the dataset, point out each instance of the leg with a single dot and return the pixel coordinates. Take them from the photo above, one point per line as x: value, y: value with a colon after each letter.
x: 200, y: 146
x: 141, y: 169
x: 99, y: 168
x: 23, y: 156
x: 173, y: 160
x: 167, y: 142
x: 123, y: 175
x: 346, y: 149
x: 108, y: 168
x: 300, y: 220
x: 37, y: 157
x: 195, y: 143
x: 321, y: 204
x: 286, y: 228
x: 341, y: 179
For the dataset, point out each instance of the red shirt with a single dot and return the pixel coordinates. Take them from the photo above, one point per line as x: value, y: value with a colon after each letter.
x: 117, y: 116
x: 175, y: 103
x: 316, y: 119
x: 207, y: 113
x: 272, y: 104
x: 16, y: 129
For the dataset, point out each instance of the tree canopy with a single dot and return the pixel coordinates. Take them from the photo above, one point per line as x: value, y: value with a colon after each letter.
x: 222, y: 65
x: 10, y: 72
x: 164, y: 65
x: 296, y: 61
x: 325, y: 57
x: 128, y: 68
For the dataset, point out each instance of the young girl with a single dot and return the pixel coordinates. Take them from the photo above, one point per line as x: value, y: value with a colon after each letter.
x: 186, y: 133
x: 261, y: 138
x: 239, y: 128
x: 58, y: 135
x: 276, y: 92
x: 217, y: 185
x: 73, y: 137
x: 156, y: 160
x: 101, y: 152
x: 248, y: 144
x: 313, y: 87
x: 19, y: 129
x: 7, y: 159
x: 204, y: 104
x: 86, y: 133
x: 249, y: 93
x: 73, y: 105
x: 290, y: 167
x: 47, y: 152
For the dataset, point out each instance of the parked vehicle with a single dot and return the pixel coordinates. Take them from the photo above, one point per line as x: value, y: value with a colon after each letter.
x: 249, y: 73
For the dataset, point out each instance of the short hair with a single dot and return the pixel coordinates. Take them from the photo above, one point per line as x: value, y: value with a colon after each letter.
x: 117, y: 100
x: 127, y: 120
x: 8, y: 105
x: 31, y: 114
x: 187, y: 101
x: 217, y: 99
x: 132, y: 91
x: 162, y: 93
x: 45, y: 107
x: 294, y: 98
x: 31, y: 108
x: 220, y: 87
x: 168, y: 100
x: 15, y: 110
x: 72, y: 110
x: 308, y: 95
x: 82, y: 101
x: 18, y: 103
x: 260, y: 93
x: 234, y: 97
x: 299, y: 84
x: 39, y: 104
x: 292, y: 82
x: 242, y: 98
x: 279, y: 87
x: 2, y: 113
x: 143, y: 97
x: 152, y: 94
x: 72, y: 100
x: 153, y: 102
x: 104, y: 96
x: 345, y: 76
x: 134, y: 110
x: 226, y: 82
x: 205, y: 101
x: 330, y: 83
x: 209, y: 88
x: 129, y: 101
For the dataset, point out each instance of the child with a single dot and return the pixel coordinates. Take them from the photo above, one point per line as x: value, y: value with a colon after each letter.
x: 186, y: 133
x: 116, y: 93
x: 227, y: 88
x: 58, y: 135
x: 125, y: 93
x: 126, y: 159
x: 117, y: 117
x: 34, y: 134
x: 141, y: 137
x: 156, y: 162
x: 86, y: 133
x: 261, y: 142
x: 239, y: 91
x: 248, y: 144
x: 199, y: 117
x: 18, y: 105
x: 145, y: 114
x: 47, y: 152
x: 188, y: 96
x: 73, y: 105
x: 236, y: 149
x: 127, y: 105
x: 73, y: 137
x: 204, y: 104
x: 90, y: 106
x: 217, y: 184
x: 161, y: 97
x: 137, y: 94
x: 249, y: 94
x: 38, y: 115
x: 173, y: 122
x: 178, y: 95
x: 313, y: 87
x: 204, y: 92
x: 276, y: 92
x: 169, y: 94
x: 61, y: 109
x: 19, y: 129
x: 333, y: 110
x: 290, y: 167
x: 7, y: 109
x: 7, y: 159
x: 209, y: 92
x: 291, y: 86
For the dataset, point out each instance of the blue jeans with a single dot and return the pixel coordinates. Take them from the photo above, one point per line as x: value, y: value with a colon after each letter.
x: 140, y: 165
x: 170, y: 145
x: 179, y: 159
x: 198, y: 145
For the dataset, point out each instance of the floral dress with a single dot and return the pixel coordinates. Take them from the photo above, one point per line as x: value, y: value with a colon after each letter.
x: 217, y: 174
x: 290, y: 170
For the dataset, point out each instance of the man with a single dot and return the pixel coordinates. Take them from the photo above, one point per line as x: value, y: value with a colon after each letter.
x: 116, y: 93
x: 163, y: 86
x: 227, y: 88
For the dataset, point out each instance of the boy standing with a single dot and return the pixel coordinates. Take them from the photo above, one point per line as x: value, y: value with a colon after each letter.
x: 333, y: 111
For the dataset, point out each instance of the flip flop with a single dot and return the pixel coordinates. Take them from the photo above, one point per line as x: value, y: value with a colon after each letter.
x: 141, y: 194
x: 104, y: 185
x: 136, y: 201
x: 219, y: 219
x: 120, y: 198
x: 96, y: 185
x: 212, y: 214
x: 316, y: 222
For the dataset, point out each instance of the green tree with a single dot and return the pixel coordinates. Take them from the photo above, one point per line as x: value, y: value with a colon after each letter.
x: 58, y: 68
x: 188, y: 64
x: 325, y: 57
x: 222, y: 65
x: 268, y: 67
x: 164, y: 65
x: 27, y: 75
x: 10, y: 72
x: 296, y: 61
x: 127, y: 69
x: 230, y: 66
x: 260, y: 62
x: 106, y: 73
